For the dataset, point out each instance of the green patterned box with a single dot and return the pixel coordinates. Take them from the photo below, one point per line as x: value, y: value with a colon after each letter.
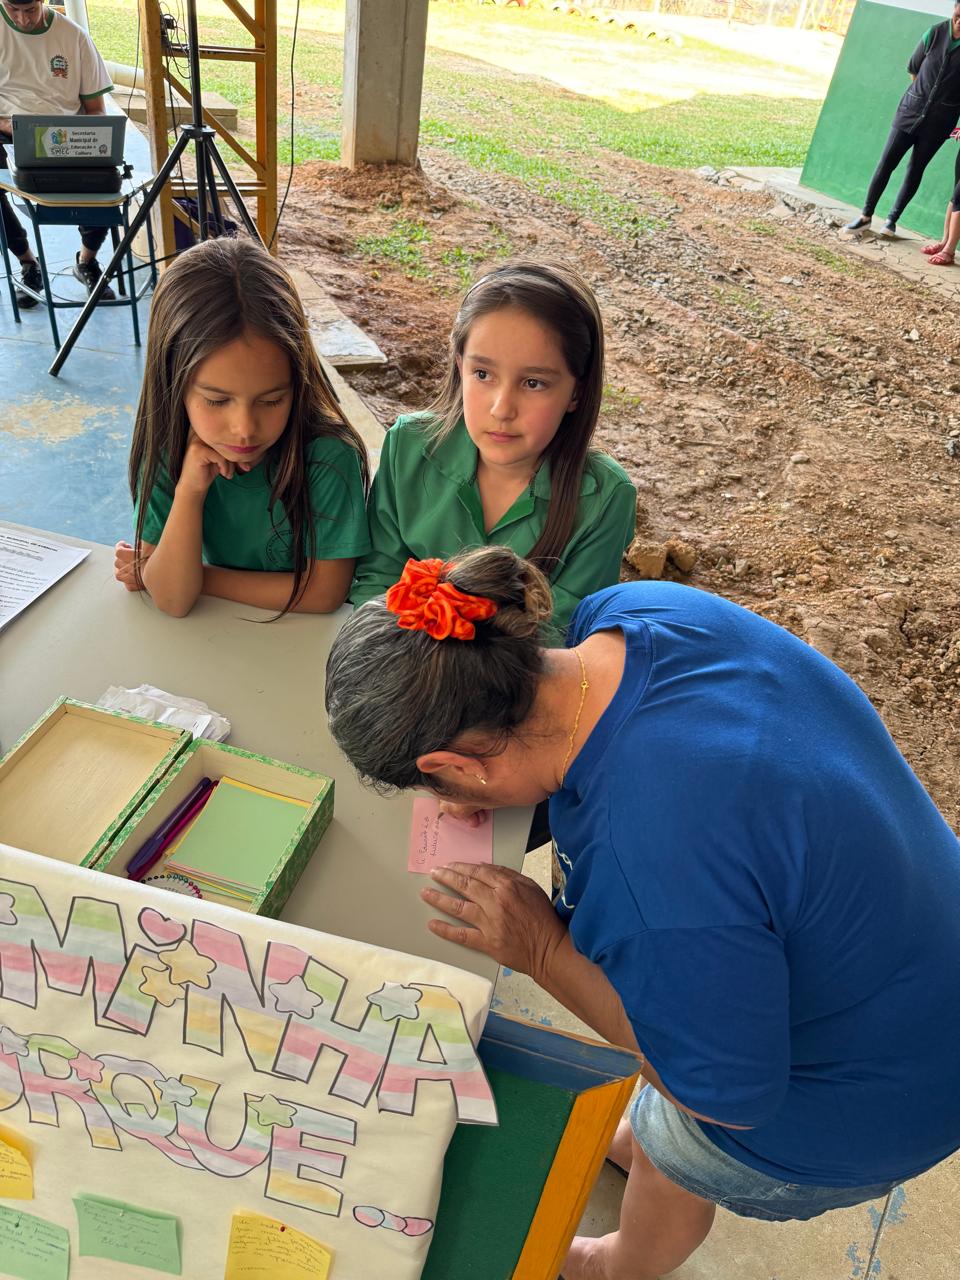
x: 216, y: 760
x: 76, y: 777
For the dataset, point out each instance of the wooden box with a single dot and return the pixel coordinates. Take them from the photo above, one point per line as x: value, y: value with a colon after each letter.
x: 73, y: 780
x: 202, y: 759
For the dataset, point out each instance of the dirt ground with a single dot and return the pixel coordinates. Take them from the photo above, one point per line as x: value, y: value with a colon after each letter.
x: 785, y: 408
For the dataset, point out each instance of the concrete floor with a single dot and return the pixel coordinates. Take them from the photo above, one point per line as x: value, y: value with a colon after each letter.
x: 63, y: 452
x: 64, y: 441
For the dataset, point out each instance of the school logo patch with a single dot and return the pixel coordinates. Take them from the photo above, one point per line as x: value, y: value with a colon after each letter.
x: 59, y: 66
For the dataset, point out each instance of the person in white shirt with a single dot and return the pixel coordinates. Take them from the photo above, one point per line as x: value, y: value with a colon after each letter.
x: 48, y: 66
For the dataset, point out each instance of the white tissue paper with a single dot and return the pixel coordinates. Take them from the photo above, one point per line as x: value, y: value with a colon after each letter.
x: 167, y: 708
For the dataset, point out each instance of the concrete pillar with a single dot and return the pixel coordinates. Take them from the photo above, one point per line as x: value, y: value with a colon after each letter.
x: 384, y: 47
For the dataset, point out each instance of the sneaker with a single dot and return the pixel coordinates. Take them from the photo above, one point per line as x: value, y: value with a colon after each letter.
x: 31, y: 277
x: 860, y: 223
x: 889, y: 228
x: 89, y: 273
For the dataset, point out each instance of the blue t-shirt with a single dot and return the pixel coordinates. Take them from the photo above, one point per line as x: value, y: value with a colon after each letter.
x: 771, y: 891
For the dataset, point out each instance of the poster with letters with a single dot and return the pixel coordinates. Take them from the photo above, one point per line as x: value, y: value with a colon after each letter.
x: 197, y: 1088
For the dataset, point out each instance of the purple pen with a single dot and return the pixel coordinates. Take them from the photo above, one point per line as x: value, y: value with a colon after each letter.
x: 144, y: 856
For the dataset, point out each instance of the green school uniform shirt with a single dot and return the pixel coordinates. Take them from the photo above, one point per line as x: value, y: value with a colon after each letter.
x: 239, y: 531
x: 425, y: 502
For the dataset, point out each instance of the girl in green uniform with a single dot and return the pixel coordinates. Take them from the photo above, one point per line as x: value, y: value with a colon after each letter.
x: 503, y: 456
x: 248, y: 481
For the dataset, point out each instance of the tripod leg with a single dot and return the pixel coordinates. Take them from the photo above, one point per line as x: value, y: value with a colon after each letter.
x: 231, y: 189
x: 216, y: 215
x: 142, y: 213
x: 131, y: 276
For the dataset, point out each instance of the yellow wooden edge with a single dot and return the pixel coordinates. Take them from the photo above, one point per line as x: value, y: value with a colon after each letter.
x: 590, y: 1128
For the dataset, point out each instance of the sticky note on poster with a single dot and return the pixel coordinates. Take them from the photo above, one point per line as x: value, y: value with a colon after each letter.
x: 32, y: 1248
x: 16, y: 1170
x: 436, y: 840
x: 126, y: 1233
x: 264, y: 1249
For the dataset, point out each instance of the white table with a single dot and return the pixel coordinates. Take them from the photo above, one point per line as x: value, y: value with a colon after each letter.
x: 87, y: 633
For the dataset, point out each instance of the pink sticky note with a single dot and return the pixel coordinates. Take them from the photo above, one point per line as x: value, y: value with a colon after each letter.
x: 436, y: 841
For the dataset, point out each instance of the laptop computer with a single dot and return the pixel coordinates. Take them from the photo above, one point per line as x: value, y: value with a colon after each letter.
x: 56, y: 154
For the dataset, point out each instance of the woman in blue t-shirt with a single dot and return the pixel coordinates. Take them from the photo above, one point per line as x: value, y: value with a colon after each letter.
x: 757, y: 893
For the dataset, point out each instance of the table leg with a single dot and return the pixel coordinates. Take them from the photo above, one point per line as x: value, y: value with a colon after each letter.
x: 10, y: 285
x: 115, y: 240
x: 44, y: 274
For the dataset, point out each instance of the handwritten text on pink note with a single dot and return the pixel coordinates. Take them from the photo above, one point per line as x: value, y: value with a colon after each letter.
x: 436, y: 841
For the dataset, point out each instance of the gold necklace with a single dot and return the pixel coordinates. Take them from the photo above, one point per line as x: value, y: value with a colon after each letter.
x: 584, y: 686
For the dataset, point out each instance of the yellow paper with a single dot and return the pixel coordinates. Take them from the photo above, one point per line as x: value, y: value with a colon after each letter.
x: 274, y: 795
x: 16, y: 1171
x: 265, y: 1249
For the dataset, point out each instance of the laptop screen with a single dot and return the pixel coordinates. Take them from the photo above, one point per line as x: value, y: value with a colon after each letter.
x: 68, y: 141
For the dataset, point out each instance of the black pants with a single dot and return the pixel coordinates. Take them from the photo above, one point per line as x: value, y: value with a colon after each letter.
x: 91, y: 237
x: 924, y: 145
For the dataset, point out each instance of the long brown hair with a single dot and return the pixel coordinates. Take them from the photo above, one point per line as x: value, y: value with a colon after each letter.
x: 559, y: 298
x: 210, y: 296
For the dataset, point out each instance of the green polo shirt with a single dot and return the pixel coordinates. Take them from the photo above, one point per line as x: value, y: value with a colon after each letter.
x: 425, y: 502
x: 241, y: 532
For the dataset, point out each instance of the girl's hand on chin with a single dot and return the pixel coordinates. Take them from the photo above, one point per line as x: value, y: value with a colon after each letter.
x: 201, y: 466
x: 500, y: 912
x: 474, y: 815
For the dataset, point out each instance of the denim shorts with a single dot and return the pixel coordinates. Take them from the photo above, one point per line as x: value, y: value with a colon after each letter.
x: 679, y: 1148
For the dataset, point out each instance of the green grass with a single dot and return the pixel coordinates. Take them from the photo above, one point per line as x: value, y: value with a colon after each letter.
x: 401, y: 247
x: 521, y: 127
x: 829, y: 258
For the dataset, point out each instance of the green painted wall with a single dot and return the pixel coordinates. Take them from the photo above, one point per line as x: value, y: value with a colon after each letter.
x: 869, y: 80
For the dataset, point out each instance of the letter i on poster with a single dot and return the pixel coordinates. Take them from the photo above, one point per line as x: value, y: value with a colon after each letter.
x: 262, y: 1248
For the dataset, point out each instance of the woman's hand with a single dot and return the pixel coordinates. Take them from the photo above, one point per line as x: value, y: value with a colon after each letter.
x: 474, y: 815
x: 201, y: 466
x: 501, y: 912
x: 124, y: 562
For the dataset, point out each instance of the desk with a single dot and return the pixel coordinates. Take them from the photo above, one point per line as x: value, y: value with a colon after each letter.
x: 91, y: 210
x: 87, y: 633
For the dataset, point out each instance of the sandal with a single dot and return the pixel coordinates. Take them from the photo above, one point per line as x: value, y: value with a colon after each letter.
x: 931, y: 249
x: 941, y: 260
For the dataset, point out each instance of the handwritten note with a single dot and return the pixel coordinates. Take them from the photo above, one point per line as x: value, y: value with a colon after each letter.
x: 436, y: 840
x: 32, y: 1248
x: 127, y: 1233
x: 16, y: 1172
x: 265, y: 1249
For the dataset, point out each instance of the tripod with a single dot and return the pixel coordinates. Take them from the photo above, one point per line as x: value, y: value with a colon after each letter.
x: 210, y: 215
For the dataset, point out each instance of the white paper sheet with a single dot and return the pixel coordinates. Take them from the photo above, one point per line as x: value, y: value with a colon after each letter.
x: 29, y: 565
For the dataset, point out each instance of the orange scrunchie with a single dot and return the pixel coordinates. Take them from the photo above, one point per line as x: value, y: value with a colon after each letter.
x: 423, y: 603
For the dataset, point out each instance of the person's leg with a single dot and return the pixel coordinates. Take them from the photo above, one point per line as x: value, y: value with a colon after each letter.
x: 16, y: 235
x: 19, y: 246
x: 661, y: 1225
x: 924, y: 149
x: 947, y: 253
x: 897, y: 145
x: 91, y: 238
x: 87, y: 268
x: 936, y: 245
